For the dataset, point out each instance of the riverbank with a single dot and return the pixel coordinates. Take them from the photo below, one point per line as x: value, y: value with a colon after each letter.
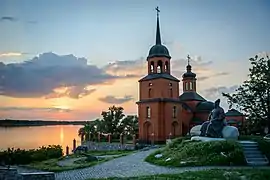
x: 20, y: 123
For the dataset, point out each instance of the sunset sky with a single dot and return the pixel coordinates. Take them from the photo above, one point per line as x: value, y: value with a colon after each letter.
x: 69, y: 60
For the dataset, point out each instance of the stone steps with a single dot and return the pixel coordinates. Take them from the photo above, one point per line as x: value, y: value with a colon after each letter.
x: 253, y: 155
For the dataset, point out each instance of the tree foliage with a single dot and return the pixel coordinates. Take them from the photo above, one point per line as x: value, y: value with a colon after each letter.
x: 253, y: 96
x: 113, y: 122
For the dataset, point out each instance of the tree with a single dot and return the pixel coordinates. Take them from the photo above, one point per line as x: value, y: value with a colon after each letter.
x: 81, y: 133
x: 111, y: 119
x: 88, y: 131
x: 130, y: 125
x: 253, y: 96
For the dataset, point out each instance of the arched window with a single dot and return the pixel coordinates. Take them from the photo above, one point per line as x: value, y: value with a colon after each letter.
x: 148, y: 112
x: 171, y: 92
x: 150, y: 93
x: 186, y: 85
x: 174, y: 112
x: 190, y: 85
x: 152, y: 67
x: 159, y: 67
x: 166, y: 67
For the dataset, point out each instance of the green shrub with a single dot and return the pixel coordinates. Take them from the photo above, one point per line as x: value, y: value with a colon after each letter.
x: 20, y: 156
x: 199, y: 153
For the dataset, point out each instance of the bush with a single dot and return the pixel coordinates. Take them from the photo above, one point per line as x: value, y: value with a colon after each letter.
x: 196, y: 153
x: 20, y: 156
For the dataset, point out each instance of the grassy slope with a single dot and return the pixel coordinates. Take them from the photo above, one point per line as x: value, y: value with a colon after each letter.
x: 199, y: 154
x: 253, y: 174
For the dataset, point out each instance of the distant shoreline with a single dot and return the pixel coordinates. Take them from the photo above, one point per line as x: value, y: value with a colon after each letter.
x: 21, y: 123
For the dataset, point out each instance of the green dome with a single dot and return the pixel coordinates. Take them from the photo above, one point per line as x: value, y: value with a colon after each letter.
x: 205, y: 106
x: 189, y: 74
x: 159, y: 50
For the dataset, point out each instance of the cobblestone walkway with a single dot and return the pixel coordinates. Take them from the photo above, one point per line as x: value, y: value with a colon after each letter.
x: 127, y: 166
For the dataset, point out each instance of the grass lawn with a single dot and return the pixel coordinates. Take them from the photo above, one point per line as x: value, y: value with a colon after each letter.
x: 52, y: 164
x: 183, y: 152
x: 252, y: 174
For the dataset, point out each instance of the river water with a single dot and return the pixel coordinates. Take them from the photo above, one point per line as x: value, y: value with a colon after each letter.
x: 36, y: 136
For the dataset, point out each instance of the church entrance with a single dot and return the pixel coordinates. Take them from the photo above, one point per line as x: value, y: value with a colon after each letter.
x: 147, y: 128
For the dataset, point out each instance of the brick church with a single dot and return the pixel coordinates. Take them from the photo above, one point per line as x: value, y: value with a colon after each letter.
x: 162, y: 112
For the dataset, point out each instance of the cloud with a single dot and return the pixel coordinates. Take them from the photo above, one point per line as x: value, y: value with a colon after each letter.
x: 34, y: 109
x: 10, y: 54
x: 75, y: 92
x: 215, y: 93
x: 131, y: 68
x: 8, y: 18
x: 138, y: 67
x: 45, y: 74
x: 116, y: 100
x: 202, y: 78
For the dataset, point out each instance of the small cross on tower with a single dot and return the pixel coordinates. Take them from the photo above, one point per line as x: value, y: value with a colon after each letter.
x: 158, y: 11
x: 188, y: 58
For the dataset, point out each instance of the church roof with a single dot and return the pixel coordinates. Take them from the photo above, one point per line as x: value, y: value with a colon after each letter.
x: 191, y: 96
x: 205, y: 106
x: 159, y: 75
x: 233, y: 112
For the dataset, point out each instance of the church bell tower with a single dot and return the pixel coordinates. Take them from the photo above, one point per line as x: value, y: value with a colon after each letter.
x: 158, y: 105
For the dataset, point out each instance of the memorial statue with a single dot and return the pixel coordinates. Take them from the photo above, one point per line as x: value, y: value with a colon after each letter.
x: 216, y: 121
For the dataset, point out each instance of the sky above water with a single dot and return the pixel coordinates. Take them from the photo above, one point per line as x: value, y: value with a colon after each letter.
x: 69, y: 60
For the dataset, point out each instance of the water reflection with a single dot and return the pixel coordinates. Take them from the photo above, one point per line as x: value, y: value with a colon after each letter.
x: 61, y: 135
x: 34, y: 137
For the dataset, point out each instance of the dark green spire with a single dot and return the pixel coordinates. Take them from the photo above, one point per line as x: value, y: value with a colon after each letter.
x: 158, y: 50
x: 158, y: 38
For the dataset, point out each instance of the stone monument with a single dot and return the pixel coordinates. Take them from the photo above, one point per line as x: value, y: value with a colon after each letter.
x: 215, y: 128
x: 216, y: 121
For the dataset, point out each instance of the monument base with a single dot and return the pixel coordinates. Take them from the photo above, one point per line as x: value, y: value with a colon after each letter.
x: 206, y: 139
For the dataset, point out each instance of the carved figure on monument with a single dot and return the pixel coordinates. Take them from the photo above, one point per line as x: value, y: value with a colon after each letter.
x: 216, y: 121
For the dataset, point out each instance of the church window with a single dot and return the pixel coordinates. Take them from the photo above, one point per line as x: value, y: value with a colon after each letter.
x: 171, y: 92
x: 150, y: 93
x: 186, y: 86
x: 190, y: 85
x: 148, y: 112
x: 174, y: 111
x: 166, y: 66
x: 152, y: 67
x: 159, y: 67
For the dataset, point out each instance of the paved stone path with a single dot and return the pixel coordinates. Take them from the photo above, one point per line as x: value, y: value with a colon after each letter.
x: 70, y: 161
x: 127, y: 166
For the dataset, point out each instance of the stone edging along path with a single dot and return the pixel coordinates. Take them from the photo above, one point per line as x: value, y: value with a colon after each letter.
x: 129, y: 166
